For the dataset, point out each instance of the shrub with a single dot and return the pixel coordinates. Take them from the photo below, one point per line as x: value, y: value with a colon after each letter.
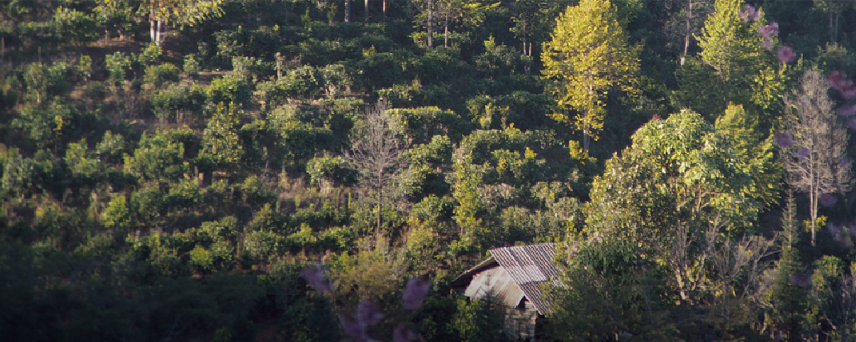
x: 329, y: 171
x: 229, y: 89
x: 191, y: 66
x: 161, y: 74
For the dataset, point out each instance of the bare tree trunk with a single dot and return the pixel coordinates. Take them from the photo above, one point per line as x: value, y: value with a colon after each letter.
x: 430, y: 23
x: 347, y: 11
x: 832, y: 35
x: 689, y: 30
x: 158, y: 33
x: 384, y: 10
x: 379, y: 206
x: 152, y: 26
x: 813, y: 208
x: 446, y: 29
x: 586, y: 140
x: 367, y: 11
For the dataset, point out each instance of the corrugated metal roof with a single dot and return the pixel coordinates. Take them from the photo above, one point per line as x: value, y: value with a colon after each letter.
x: 529, y: 267
x: 497, y: 283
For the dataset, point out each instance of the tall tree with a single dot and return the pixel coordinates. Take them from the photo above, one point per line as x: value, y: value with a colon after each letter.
x: 817, y: 162
x: 730, y: 44
x: 376, y: 149
x: 587, y: 58
x: 682, y: 190
x: 734, y: 65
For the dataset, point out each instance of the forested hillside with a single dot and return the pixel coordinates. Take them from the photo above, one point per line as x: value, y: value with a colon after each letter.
x: 291, y: 170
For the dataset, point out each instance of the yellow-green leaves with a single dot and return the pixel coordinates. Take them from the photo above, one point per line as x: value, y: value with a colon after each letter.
x: 586, y: 58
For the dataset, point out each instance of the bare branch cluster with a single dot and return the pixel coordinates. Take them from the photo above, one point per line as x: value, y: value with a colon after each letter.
x: 817, y: 163
x: 376, y: 149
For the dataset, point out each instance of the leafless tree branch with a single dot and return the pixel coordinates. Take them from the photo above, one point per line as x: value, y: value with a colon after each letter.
x: 375, y: 151
x: 815, y: 163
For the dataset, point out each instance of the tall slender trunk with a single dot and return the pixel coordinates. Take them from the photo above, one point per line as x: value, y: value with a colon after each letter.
x: 152, y: 26
x: 430, y: 23
x: 528, y: 66
x: 446, y: 29
x: 832, y: 33
x: 367, y: 11
x: 813, y: 212
x: 379, y: 206
x: 158, y: 33
x: 586, y: 138
x: 347, y: 11
x: 688, y: 33
x: 384, y: 10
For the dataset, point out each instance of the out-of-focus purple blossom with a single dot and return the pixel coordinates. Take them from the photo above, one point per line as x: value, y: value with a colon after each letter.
x: 801, y: 280
x: 368, y: 313
x: 833, y: 228
x: 828, y: 200
x: 804, y: 101
x: 416, y: 290
x: 844, y: 240
x: 404, y: 333
x: 803, y: 153
x: 847, y: 111
x: 767, y: 43
x: 786, y: 54
x: 852, y: 228
x: 837, y: 79
x: 770, y: 30
x: 844, y: 162
x: 784, y: 140
x: 849, y: 91
x: 314, y: 275
x: 852, y: 123
x: 352, y: 327
x: 748, y: 13
x: 656, y: 117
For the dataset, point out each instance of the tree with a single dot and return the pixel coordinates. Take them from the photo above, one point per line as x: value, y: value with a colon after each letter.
x: 587, y: 58
x: 376, y: 147
x: 730, y: 44
x: 817, y: 144
x: 686, y: 192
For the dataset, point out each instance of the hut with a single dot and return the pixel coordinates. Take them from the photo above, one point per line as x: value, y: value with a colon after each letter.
x: 513, y: 278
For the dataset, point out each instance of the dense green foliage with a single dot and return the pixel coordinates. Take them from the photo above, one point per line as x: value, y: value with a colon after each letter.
x: 168, y: 167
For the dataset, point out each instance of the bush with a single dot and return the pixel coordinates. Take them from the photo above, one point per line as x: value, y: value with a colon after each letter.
x: 159, y: 157
x: 329, y: 171
x: 150, y: 54
x: 117, y: 65
x: 74, y: 26
x: 229, y: 89
x: 161, y: 74
x: 191, y: 66
x: 111, y: 148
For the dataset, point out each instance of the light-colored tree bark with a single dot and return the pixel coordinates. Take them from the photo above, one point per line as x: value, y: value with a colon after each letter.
x: 430, y: 23
x: 816, y: 161
x: 347, y: 11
